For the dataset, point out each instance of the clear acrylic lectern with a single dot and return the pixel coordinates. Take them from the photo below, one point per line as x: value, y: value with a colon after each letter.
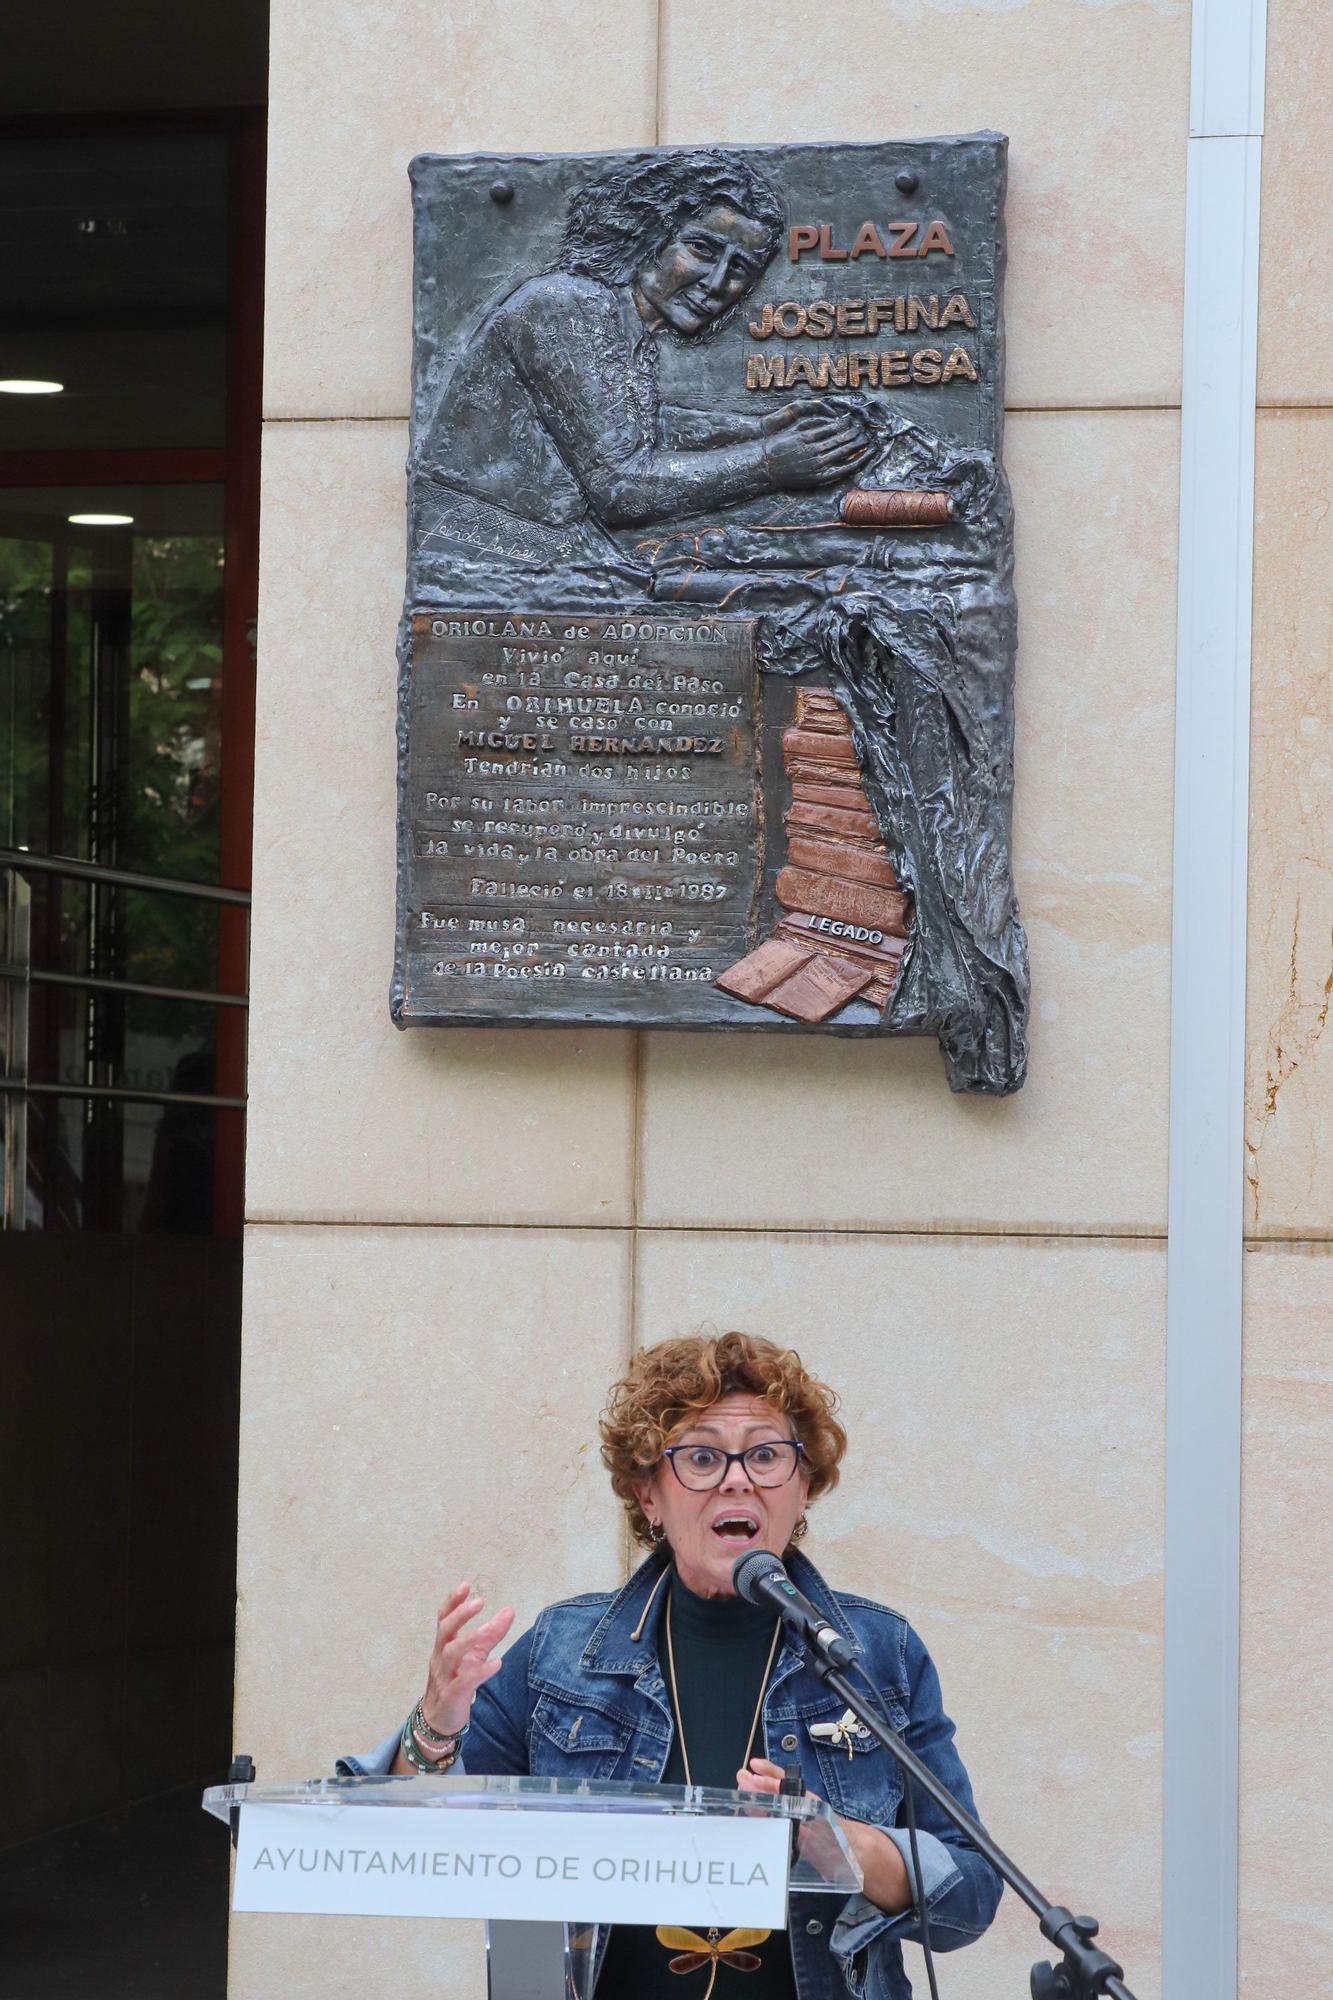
x: 569, y: 1858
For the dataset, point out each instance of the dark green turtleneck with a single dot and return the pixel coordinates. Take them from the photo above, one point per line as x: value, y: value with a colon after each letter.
x: 721, y: 1648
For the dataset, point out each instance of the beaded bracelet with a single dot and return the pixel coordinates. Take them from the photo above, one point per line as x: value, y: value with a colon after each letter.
x: 414, y: 1752
x: 427, y: 1767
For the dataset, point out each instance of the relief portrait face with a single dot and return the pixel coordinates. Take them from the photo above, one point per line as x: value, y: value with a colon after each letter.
x: 703, y: 269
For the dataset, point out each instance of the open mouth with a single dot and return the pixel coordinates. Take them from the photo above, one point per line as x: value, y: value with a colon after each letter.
x: 740, y: 1528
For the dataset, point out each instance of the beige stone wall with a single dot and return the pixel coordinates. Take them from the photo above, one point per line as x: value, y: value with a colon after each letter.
x: 1286, y: 1764
x: 456, y: 1238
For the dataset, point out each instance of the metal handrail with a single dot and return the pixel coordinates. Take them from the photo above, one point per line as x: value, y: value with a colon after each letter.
x: 120, y: 878
x: 90, y: 983
x: 118, y: 1094
x: 22, y: 976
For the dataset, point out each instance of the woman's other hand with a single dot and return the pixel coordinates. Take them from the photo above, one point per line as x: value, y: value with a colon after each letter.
x: 761, y: 1774
x: 882, y: 1866
x: 461, y: 1659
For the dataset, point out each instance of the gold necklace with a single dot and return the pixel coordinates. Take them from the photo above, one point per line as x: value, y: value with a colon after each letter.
x: 675, y: 1695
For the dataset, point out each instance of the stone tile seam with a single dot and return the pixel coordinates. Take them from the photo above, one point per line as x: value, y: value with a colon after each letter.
x: 786, y: 1232
x: 1290, y: 407
x: 1304, y: 1244
x: 638, y: 1091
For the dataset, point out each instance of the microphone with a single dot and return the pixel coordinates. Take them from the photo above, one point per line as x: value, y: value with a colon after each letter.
x: 760, y: 1579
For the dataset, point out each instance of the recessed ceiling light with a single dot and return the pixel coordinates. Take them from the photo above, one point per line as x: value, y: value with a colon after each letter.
x: 15, y: 385
x: 101, y: 520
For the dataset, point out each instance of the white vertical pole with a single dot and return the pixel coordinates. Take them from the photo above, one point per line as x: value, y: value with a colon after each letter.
x: 1206, y: 1184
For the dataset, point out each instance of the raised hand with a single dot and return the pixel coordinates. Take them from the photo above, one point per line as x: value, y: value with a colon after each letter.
x: 461, y: 1659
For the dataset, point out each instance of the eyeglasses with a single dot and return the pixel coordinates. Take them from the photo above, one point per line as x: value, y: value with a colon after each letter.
x: 702, y: 1466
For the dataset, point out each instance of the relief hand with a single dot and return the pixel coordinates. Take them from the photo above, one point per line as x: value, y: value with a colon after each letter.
x: 816, y: 449
x: 802, y: 406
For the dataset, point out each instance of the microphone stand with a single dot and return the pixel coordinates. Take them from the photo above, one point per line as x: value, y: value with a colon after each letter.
x: 1084, y: 1971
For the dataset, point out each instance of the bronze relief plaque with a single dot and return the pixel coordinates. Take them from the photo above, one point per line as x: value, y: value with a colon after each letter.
x: 706, y: 663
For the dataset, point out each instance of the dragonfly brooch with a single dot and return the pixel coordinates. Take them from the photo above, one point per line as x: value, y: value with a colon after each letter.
x: 842, y: 1731
x: 694, y: 1952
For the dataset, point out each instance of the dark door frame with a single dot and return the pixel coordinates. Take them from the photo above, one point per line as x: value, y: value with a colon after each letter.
x: 236, y: 466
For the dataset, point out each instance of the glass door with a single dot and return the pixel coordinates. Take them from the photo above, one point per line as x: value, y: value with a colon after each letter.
x: 128, y: 522
x: 111, y: 657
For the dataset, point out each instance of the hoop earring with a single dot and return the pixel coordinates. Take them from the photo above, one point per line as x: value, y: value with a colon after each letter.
x: 656, y: 1533
x: 799, y: 1532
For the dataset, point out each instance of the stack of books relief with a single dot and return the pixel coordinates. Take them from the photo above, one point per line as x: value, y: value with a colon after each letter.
x: 845, y: 921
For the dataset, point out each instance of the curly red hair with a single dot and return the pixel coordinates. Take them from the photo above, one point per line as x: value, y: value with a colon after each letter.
x: 667, y: 1388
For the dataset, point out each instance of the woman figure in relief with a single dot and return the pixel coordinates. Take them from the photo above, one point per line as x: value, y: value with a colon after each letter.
x: 551, y: 432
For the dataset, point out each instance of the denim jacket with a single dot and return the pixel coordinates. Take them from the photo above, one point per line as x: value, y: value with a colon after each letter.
x: 579, y: 1696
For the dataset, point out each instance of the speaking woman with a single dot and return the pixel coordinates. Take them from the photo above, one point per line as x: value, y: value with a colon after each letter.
x: 715, y: 1446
